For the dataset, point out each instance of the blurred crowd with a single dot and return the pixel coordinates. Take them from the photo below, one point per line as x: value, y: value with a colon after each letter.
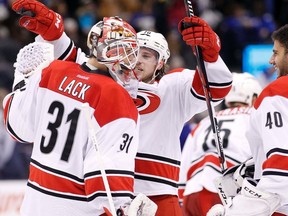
x: 237, y: 22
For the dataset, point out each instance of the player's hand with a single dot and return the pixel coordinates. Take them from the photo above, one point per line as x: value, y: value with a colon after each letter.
x: 230, y: 183
x: 196, y: 32
x: 216, y: 210
x: 37, y: 18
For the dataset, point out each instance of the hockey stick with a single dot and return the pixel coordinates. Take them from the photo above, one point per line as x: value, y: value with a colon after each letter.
x: 92, y: 133
x: 207, y: 93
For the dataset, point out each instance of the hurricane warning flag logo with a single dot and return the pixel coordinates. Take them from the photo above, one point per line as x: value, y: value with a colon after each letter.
x: 146, y: 102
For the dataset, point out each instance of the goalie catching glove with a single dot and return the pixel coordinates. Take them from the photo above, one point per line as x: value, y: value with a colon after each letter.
x: 141, y: 205
x: 37, y: 18
x: 196, y: 32
x: 30, y: 59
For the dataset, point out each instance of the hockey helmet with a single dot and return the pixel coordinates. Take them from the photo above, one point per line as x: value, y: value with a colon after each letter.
x: 244, y: 88
x: 156, y: 42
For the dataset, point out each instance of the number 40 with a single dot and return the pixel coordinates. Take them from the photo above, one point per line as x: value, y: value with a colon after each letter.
x: 274, y: 118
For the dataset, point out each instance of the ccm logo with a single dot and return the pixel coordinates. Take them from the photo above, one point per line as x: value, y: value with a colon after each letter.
x: 253, y: 193
x: 223, y: 195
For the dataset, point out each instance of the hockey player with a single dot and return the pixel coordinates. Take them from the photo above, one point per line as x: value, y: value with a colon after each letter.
x: 46, y: 109
x: 267, y: 136
x: 164, y: 104
x: 200, y: 164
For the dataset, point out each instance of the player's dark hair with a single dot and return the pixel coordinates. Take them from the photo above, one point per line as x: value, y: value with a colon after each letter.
x: 160, y: 73
x: 281, y: 35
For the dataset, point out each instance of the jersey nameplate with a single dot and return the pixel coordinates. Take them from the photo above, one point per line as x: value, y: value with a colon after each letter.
x: 74, y: 88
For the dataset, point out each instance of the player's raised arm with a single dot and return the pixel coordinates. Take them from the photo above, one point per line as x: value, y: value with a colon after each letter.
x: 197, y: 32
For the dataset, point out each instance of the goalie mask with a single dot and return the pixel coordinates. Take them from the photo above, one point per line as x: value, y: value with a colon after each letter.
x: 114, y: 43
x: 245, y: 87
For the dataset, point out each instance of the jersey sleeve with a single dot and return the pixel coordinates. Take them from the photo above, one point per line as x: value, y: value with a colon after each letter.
x: 20, y: 109
x: 65, y: 49
x: 219, y: 79
x: 63, y: 46
x: 185, y: 89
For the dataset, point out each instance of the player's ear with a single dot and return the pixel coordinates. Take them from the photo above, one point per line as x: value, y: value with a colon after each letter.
x: 160, y: 65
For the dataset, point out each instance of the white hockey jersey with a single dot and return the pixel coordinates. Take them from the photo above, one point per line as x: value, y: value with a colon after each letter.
x: 200, y: 163
x: 164, y: 108
x: 268, y: 138
x: 65, y: 177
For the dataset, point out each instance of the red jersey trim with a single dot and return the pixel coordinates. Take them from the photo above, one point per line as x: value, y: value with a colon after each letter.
x: 198, y: 165
x: 156, y: 168
x: 176, y: 70
x: 53, y: 180
x: 116, y: 183
x: 275, y: 88
x: 181, y: 189
x: 218, y: 91
x: 6, y: 110
x: 276, y: 161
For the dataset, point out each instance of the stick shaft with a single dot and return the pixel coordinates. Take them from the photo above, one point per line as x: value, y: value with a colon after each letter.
x: 92, y: 133
x: 210, y: 108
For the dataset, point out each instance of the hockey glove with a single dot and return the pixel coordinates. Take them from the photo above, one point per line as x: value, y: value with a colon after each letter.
x: 31, y: 59
x: 230, y: 183
x: 245, y: 170
x: 37, y: 18
x: 196, y: 32
x: 249, y: 202
x: 141, y: 205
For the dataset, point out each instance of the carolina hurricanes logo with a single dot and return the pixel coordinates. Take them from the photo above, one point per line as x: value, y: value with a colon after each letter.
x: 146, y: 102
